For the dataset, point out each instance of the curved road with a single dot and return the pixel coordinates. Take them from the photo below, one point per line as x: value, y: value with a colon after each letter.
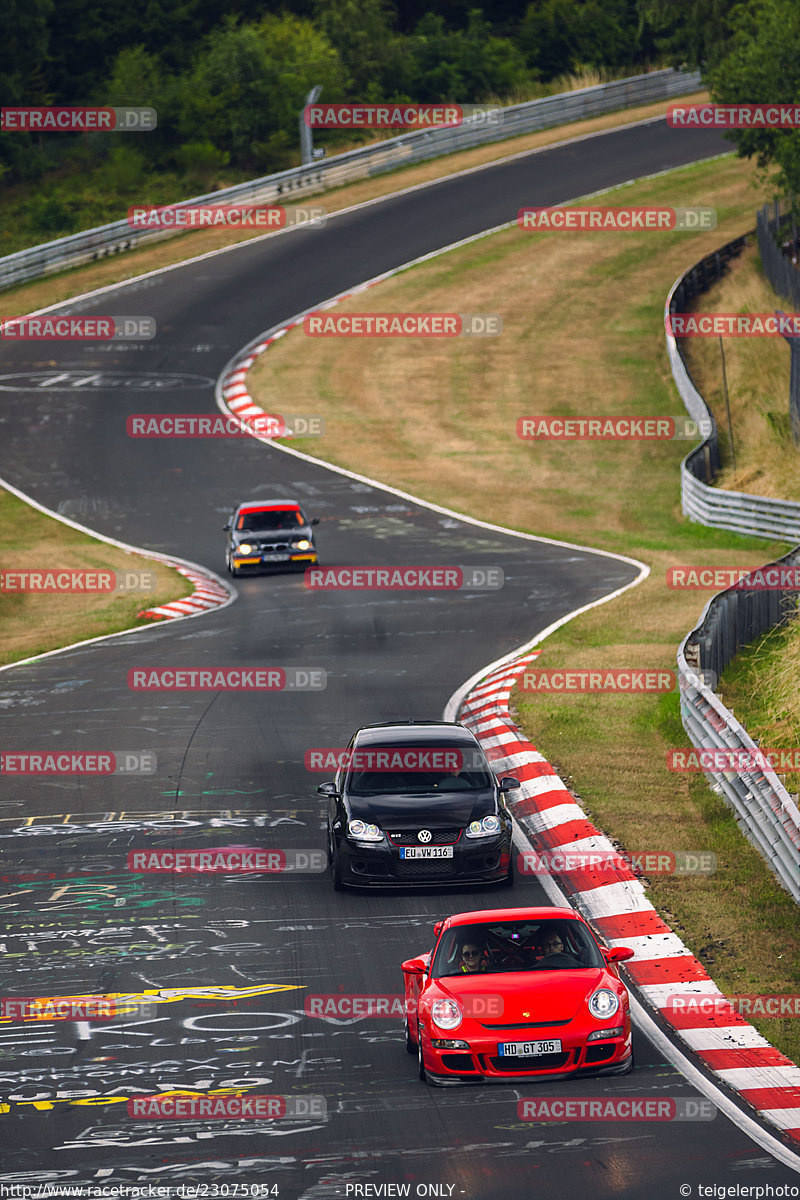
x: 230, y: 768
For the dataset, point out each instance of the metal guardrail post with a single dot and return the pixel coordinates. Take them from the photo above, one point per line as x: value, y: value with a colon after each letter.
x: 306, y: 134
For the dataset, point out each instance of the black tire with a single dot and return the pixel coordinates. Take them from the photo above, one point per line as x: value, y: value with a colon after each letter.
x: 510, y: 877
x: 231, y: 568
x: 329, y: 846
x: 336, y: 871
x: 423, y: 1074
x: 411, y: 1045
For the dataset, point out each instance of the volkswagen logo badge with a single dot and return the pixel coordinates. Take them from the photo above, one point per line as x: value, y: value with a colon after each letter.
x: 424, y: 835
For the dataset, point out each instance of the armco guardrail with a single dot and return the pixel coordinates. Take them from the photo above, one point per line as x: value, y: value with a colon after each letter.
x: 764, y: 810
x: 778, y: 245
x: 738, y: 511
x: 370, y: 160
x: 777, y: 267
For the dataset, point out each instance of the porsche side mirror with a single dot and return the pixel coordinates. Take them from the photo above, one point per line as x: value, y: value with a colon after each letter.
x: 415, y: 966
x: 618, y: 954
x: 328, y: 789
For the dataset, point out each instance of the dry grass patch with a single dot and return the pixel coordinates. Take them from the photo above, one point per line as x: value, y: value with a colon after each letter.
x: 33, y: 624
x: 399, y: 403
x: 761, y: 687
x: 31, y: 296
x: 611, y: 752
x: 767, y: 460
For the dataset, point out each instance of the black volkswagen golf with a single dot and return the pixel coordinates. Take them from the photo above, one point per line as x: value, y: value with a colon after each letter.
x: 417, y: 803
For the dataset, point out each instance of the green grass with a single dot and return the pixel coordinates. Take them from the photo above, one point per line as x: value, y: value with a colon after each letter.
x: 33, y: 624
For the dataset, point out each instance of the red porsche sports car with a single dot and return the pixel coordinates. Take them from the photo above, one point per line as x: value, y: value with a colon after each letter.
x: 513, y: 993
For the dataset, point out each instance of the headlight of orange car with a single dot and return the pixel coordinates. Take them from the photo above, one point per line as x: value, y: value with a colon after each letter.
x: 447, y: 1014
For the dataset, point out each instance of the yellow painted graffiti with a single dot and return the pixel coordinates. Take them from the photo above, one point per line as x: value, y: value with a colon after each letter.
x: 97, y: 1100
x: 132, y: 1002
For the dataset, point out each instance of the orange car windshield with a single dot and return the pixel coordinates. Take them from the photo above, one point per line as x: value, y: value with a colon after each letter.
x: 270, y: 518
x: 519, y: 946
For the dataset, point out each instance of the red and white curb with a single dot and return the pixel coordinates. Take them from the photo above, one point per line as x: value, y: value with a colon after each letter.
x: 615, y: 904
x: 208, y: 593
x: 238, y: 400
x: 233, y: 395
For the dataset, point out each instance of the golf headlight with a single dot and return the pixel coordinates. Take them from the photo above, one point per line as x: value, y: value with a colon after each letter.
x: 243, y: 548
x: 362, y: 831
x: 303, y: 544
x: 446, y: 1014
x: 485, y: 828
x: 603, y: 1004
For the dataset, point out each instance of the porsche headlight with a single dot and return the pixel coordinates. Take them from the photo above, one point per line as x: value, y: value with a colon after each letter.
x: 244, y: 548
x: 446, y: 1014
x: 603, y: 1004
x: 365, y: 833
x: 303, y: 544
x: 485, y: 828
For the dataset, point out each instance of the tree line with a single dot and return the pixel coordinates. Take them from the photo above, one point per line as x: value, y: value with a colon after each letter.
x: 228, y: 77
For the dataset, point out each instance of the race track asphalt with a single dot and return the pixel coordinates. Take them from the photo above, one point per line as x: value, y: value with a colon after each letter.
x: 230, y: 767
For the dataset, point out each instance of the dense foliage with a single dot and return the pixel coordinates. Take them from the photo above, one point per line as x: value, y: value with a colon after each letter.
x: 228, y: 77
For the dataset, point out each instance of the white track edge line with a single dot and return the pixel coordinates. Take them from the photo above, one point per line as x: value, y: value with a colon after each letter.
x: 168, y: 560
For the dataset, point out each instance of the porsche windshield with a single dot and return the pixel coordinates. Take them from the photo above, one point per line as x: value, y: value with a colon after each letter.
x: 388, y: 770
x: 513, y: 946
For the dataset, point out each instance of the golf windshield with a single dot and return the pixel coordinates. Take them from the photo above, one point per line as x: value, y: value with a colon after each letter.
x: 415, y: 770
